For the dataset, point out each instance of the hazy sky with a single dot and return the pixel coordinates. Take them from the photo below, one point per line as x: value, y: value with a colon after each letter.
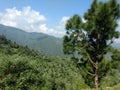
x: 46, y: 16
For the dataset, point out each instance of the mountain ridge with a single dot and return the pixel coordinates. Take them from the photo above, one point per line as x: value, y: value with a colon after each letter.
x: 49, y: 45
x: 44, y: 43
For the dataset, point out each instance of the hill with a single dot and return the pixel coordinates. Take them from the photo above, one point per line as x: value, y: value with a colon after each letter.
x: 37, y: 41
x: 22, y: 68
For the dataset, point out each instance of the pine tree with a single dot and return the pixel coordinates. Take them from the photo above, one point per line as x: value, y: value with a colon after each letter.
x: 91, y: 39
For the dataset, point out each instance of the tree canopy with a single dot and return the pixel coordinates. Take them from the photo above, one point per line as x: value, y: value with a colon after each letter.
x: 92, y: 38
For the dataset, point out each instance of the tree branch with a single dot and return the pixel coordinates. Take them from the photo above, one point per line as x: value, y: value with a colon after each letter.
x: 90, y: 73
x: 89, y: 58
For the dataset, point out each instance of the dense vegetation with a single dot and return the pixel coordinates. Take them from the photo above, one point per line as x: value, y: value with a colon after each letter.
x: 24, y: 69
x: 91, y: 39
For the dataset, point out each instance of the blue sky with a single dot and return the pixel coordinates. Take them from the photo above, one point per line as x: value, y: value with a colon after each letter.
x: 53, y: 10
x: 46, y: 16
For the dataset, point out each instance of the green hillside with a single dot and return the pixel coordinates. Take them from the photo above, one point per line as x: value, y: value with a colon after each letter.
x: 38, y: 41
x: 24, y: 69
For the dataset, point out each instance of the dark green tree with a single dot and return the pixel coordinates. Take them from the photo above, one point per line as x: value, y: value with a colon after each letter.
x: 91, y: 39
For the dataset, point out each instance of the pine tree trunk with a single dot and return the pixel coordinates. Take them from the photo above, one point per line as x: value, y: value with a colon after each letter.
x: 96, y: 76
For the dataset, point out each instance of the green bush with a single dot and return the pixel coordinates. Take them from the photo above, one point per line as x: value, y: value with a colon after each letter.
x: 17, y: 72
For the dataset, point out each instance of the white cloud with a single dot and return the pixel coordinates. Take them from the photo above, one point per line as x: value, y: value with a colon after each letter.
x: 61, y: 26
x: 26, y: 19
x: 58, y: 30
x: 64, y: 20
x: 31, y: 21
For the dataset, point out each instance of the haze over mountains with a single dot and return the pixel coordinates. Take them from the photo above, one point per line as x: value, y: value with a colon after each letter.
x: 47, y: 44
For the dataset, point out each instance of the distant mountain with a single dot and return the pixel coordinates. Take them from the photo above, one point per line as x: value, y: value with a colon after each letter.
x: 38, y: 41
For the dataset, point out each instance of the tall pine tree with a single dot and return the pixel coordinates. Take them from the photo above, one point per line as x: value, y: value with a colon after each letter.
x: 91, y: 39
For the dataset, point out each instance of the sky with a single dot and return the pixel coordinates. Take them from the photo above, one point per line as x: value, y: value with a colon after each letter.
x: 46, y: 16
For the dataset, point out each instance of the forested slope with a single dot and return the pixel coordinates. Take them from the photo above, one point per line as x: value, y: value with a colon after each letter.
x: 24, y: 69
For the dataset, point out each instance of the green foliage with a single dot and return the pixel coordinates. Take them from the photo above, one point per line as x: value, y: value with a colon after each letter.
x: 26, y: 69
x: 91, y: 39
x: 17, y: 73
